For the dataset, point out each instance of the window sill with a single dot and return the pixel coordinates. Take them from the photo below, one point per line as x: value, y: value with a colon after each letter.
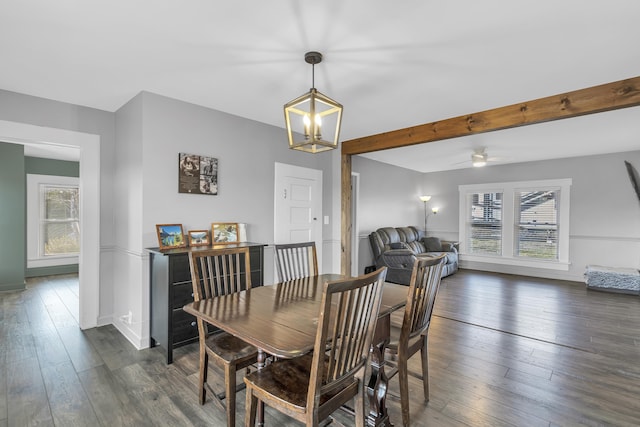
x: 520, y: 262
x: 52, y: 261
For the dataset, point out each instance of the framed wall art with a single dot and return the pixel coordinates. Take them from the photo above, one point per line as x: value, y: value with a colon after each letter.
x: 224, y: 232
x: 197, y: 174
x: 170, y: 236
x: 199, y: 238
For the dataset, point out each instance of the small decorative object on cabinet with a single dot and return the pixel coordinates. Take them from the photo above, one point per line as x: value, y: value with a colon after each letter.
x: 170, y: 288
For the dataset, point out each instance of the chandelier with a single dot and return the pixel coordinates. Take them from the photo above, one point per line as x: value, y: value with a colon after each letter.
x: 313, y: 119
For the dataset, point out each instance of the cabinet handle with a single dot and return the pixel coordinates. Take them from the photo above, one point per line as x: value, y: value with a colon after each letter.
x: 193, y: 324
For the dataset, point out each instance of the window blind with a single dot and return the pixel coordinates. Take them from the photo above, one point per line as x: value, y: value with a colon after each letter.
x: 484, y: 223
x: 536, y: 231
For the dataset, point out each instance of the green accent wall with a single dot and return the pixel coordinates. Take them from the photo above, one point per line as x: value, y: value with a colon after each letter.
x: 12, y: 217
x: 40, y: 166
x: 37, y: 165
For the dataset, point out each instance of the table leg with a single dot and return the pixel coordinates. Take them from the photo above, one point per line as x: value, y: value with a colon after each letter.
x: 378, y: 382
x: 260, y: 410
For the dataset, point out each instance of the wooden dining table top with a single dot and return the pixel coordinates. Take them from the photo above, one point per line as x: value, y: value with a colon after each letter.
x: 280, y: 319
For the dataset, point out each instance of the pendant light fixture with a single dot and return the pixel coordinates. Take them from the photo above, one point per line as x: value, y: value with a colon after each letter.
x: 313, y: 119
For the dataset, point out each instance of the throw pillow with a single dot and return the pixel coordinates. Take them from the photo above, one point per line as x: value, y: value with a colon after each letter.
x: 432, y: 244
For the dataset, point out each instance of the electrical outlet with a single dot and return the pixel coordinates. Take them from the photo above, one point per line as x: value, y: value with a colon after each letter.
x: 127, y: 318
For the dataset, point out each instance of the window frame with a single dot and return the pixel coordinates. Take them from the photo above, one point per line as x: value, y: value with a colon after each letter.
x: 509, y: 217
x: 36, y: 257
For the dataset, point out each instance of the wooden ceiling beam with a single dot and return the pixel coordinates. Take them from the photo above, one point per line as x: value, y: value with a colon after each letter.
x: 596, y: 99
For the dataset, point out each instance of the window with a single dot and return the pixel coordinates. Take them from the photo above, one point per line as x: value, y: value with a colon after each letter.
x: 517, y: 223
x: 59, y: 223
x: 485, y: 223
x: 53, y: 226
x: 537, y: 224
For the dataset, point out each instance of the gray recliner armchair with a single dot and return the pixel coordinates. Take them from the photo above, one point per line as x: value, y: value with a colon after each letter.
x: 397, y: 249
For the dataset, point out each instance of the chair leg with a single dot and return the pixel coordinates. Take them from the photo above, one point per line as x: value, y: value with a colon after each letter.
x: 425, y: 368
x: 360, y: 408
x: 204, y: 368
x: 230, y: 392
x: 251, y: 406
x: 403, y: 380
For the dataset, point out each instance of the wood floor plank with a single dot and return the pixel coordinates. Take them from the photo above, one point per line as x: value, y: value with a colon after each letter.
x: 69, y: 297
x: 79, y: 348
x: 56, y: 308
x: 50, y: 349
x: 109, y: 400
x: 69, y: 404
x: 183, y: 393
x: 159, y: 409
x: 19, y: 342
x: 27, y: 400
x: 3, y: 384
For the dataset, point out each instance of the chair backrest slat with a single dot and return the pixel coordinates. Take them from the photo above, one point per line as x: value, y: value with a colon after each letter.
x: 296, y: 260
x: 220, y: 271
x: 346, y: 323
x: 421, y: 297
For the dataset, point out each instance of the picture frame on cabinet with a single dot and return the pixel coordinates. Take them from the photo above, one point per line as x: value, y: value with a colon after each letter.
x: 224, y: 233
x: 199, y: 238
x: 170, y: 236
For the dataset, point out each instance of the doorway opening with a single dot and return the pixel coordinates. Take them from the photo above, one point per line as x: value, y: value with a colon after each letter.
x: 89, y: 259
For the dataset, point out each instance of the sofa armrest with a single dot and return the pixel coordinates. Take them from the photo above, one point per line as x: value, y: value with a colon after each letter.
x: 398, y: 258
x: 448, y: 246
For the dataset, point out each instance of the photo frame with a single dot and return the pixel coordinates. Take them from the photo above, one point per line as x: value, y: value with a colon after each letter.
x: 197, y: 174
x: 199, y: 238
x: 225, y: 232
x: 170, y: 236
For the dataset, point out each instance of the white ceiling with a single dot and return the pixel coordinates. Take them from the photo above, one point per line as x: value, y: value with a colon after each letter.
x: 391, y: 64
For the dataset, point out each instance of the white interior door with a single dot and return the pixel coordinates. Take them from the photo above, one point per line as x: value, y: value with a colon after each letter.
x: 298, y: 206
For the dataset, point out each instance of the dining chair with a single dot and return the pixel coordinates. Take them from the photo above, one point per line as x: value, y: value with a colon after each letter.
x: 296, y: 260
x: 309, y: 388
x: 216, y: 272
x: 412, y: 335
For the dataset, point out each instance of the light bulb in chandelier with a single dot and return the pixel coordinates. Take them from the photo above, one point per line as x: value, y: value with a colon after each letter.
x: 309, y: 124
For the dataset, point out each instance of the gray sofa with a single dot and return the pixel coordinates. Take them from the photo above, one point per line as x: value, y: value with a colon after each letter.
x: 397, y: 249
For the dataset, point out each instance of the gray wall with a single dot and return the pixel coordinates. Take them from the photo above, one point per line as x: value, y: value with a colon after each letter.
x: 12, y: 217
x: 151, y: 131
x: 40, y: 166
x: 604, y: 220
x: 388, y: 197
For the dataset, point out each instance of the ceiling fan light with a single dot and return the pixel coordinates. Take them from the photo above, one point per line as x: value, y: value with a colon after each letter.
x: 479, y: 159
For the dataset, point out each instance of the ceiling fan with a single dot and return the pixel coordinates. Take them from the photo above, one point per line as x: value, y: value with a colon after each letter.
x: 479, y: 158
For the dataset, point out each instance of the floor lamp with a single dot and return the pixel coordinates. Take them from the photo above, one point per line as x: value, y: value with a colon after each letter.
x: 425, y: 199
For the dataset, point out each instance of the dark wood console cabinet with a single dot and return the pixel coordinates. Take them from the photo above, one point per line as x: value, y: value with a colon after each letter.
x: 170, y: 283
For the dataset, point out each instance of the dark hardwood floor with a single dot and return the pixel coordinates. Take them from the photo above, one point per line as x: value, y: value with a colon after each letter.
x: 504, y: 350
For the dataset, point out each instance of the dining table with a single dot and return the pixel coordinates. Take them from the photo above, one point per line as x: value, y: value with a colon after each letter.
x: 281, y: 320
